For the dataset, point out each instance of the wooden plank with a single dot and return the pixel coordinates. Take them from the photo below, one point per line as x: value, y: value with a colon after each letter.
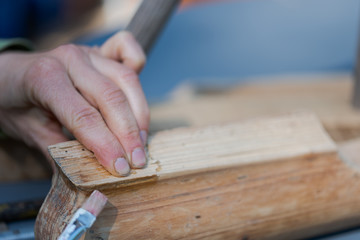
x: 251, y: 184
x: 191, y: 150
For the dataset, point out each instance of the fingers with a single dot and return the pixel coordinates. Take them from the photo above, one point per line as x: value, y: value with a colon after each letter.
x: 127, y: 80
x: 43, y: 131
x: 123, y: 47
x: 88, y: 126
x: 104, y: 107
x: 113, y: 105
x: 35, y: 127
x: 54, y: 90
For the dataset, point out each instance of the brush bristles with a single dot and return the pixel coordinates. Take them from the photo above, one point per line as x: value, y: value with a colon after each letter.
x: 95, y: 203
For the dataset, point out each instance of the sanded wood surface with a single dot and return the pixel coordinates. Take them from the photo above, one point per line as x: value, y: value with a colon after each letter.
x: 184, y: 151
x: 329, y: 96
x: 291, y: 187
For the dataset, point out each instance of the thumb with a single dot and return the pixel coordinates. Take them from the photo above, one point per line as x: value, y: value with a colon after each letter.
x: 124, y: 47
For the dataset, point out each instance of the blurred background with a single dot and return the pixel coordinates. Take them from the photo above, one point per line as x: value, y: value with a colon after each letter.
x: 206, y: 40
x: 215, y: 44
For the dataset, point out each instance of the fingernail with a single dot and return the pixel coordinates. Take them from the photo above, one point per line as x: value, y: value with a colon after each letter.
x: 138, y: 158
x: 122, y: 166
x: 143, y: 136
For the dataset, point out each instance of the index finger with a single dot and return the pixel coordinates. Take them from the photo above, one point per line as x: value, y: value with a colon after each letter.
x: 50, y: 86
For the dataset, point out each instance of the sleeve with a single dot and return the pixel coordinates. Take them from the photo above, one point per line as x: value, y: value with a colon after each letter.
x: 15, y: 44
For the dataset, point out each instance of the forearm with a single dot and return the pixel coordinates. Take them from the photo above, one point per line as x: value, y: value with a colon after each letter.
x: 13, y: 66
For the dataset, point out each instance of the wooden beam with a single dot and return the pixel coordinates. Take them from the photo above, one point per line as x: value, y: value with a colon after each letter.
x: 192, y: 150
x: 272, y: 178
x: 356, y: 91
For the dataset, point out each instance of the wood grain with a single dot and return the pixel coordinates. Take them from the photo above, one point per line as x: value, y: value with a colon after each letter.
x: 64, y: 200
x: 291, y: 199
x: 191, y: 150
x: 273, y: 178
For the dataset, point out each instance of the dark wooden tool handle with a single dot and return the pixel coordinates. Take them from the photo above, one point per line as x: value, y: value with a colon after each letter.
x: 149, y: 20
x: 356, y: 96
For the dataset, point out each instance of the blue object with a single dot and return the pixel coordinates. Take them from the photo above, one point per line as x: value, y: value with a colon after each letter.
x: 22, y: 18
x: 234, y: 40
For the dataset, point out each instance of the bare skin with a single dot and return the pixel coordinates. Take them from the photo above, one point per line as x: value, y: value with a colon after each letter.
x: 95, y: 93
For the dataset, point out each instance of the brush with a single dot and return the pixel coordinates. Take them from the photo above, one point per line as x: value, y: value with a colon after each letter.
x: 84, y: 217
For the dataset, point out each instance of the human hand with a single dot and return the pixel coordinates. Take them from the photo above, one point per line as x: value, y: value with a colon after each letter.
x: 93, y: 92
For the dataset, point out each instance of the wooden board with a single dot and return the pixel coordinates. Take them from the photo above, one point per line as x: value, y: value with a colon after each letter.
x: 191, y: 150
x: 274, y: 178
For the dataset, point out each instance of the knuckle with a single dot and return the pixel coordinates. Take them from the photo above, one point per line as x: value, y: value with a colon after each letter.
x: 68, y: 50
x: 41, y: 76
x: 131, y: 134
x: 114, y: 96
x: 129, y: 76
x: 44, y: 66
x: 85, y: 117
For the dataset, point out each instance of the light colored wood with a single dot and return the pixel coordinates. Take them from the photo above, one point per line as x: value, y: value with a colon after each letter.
x: 329, y: 96
x: 275, y: 178
x: 84, y: 171
x: 191, y: 150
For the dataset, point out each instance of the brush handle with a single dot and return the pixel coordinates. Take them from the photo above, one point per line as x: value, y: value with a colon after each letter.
x: 149, y: 20
x: 78, y: 224
x: 356, y: 93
